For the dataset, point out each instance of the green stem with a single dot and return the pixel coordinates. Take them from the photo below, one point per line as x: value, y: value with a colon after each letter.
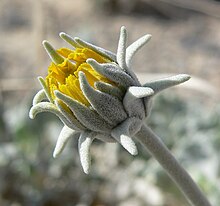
x: 158, y: 150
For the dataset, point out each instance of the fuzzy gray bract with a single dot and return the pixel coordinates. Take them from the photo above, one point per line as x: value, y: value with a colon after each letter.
x: 116, y: 112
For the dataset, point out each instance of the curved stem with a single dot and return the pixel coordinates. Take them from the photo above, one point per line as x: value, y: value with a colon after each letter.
x: 185, y: 183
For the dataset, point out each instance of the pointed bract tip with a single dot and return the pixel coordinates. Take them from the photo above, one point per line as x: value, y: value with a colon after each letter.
x: 31, y: 115
x: 65, y: 36
x: 123, y: 31
x: 140, y: 92
x: 69, y: 39
x: 132, y: 151
x: 186, y: 76
x: 135, y: 152
x: 56, y: 92
x: 62, y: 34
x: 79, y: 42
x: 93, y: 63
x: 45, y: 42
x: 81, y: 74
x: 40, y: 78
x: 47, y: 46
x: 59, y: 94
x: 183, y: 77
x: 128, y: 144
x: 89, y: 60
x: 123, y: 28
x: 148, y: 36
x: 76, y: 39
x: 55, y: 155
x: 55, y: 57
x: 86, y: 170
x: 56, y: 152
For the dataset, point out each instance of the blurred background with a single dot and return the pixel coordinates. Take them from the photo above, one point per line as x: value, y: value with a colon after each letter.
x: 186, y: 39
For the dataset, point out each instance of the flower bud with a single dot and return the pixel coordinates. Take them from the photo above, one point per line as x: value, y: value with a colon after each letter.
x: 95, y: 94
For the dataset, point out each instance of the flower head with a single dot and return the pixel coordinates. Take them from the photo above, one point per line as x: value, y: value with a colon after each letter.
x: 96, y: 94
x: 63, y: 72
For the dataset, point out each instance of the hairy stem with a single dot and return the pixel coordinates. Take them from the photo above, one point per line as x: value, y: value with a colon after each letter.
x: 158, y: 150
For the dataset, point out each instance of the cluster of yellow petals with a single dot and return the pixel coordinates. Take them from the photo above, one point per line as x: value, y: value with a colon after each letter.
x: 64, y: 76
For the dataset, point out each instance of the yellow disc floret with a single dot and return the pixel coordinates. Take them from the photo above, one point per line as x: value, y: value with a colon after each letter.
x: 64, y: 76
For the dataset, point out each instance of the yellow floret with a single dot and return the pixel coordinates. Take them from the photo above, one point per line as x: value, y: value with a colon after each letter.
x: 64, y: 76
